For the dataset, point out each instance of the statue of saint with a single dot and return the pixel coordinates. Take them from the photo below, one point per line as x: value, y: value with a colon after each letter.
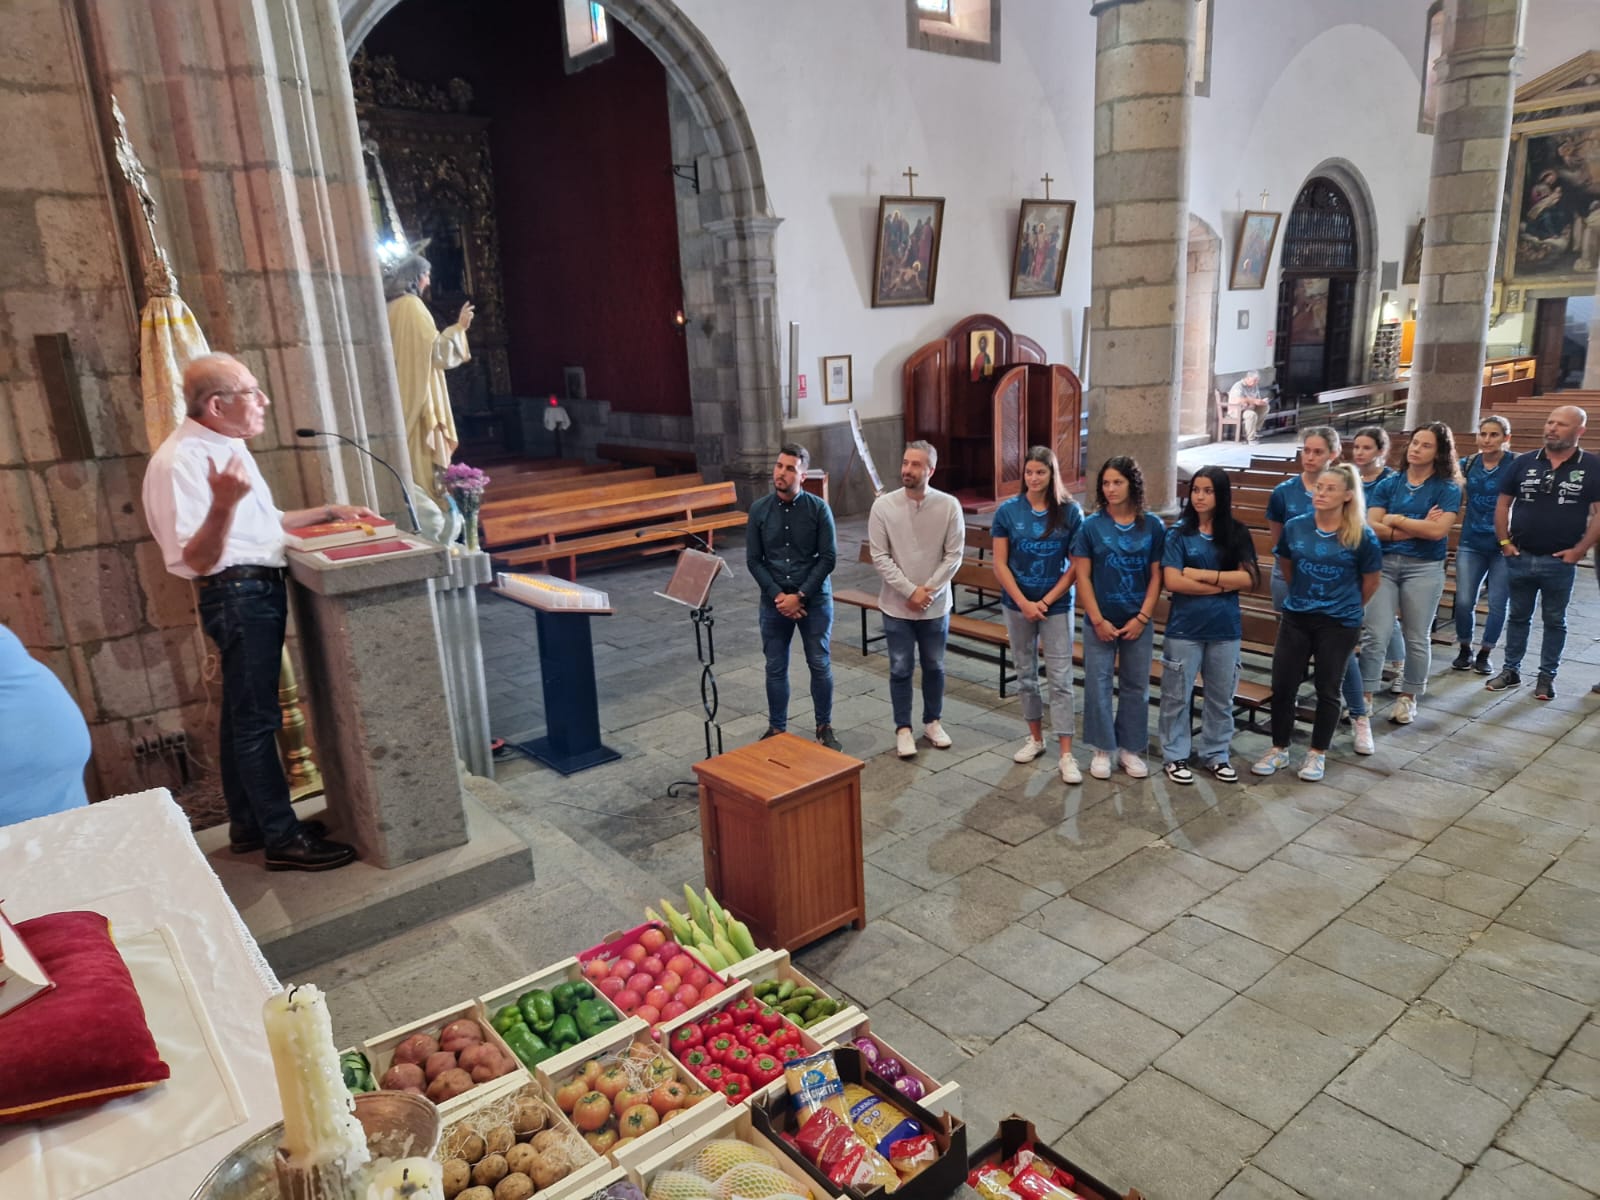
x: 422, y: 354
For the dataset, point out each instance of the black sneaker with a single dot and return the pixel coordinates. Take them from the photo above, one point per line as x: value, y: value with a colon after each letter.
x: 303, y: 853
x: 249, y: 844
x: 1505, y: 681
x: 1463, y: 658
x: 1481, y: 664
x: 825, y: 736
x: 1545, y: 689
x: 771, y: 732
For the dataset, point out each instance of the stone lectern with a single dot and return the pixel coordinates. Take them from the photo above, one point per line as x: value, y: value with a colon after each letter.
x: 376, y: 689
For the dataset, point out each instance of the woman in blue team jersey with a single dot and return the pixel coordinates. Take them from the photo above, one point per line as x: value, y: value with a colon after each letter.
x: 1478, y: 557
x: 1118, y: 557
x: 1319, y: 446
x: 1412, y: 513
x: 1331, y: 561
x: 1033, y: 534
x: 1208, y: 560
x: 1369, y: 451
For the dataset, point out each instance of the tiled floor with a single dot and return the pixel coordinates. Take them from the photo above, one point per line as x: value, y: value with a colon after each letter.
x: 1384, y: 984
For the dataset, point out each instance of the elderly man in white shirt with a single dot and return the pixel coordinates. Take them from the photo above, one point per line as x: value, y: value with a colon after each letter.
x: 917, y: 538
x: 1246, y: 402
x: 213, y: 517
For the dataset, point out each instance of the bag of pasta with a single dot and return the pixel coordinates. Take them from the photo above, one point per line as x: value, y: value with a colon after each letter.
x: 877, y: 1122
x: 848, y: 1162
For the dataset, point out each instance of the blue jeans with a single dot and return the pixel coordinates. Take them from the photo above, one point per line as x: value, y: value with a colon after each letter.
x: 777, y: 631
x: 1473, y: 568
x: 1410, y: 587
x: 1181, y: 661
x: 1545, y: 578
x: 246, y: 619
x: 1055, y: 632
x: 909, y: 640
x: 1130, y: 663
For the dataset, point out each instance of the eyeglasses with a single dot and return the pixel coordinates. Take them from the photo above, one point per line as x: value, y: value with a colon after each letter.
x: 237, y: 393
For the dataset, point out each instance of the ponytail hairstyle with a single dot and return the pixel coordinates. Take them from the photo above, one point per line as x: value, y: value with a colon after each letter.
x: 1353, y: 520
x: 1327, y: 433
x: 1446, y: 465
x: 1235, y: 548
x: 1129, y: 470
x: 1055, y: 493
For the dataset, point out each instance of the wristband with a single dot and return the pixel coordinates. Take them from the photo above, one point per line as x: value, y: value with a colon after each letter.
x: 1505, y: 541
x: 1143, y: 618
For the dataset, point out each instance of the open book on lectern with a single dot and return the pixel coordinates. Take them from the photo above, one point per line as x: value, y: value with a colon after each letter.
x: 691, y: 580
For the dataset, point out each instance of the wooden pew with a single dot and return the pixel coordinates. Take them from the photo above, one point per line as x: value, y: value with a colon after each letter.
x: 678, y: 462
x: 638, y: 524
x: 518, y: 487
x: 580, y: 491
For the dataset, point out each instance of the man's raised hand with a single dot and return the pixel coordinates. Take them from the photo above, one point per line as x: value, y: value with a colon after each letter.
x: 229, y: 485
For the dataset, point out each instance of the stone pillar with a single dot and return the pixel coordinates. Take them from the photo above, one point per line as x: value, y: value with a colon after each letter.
x: 1591, y: 364
x: 746, y: 343
x: 1141, y: 217
x: 1476, y: 78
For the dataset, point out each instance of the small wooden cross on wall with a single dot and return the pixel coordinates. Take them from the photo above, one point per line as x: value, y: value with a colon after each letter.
x: 1264, y: 195
x: 911, y: 176
x: 1047, y: 181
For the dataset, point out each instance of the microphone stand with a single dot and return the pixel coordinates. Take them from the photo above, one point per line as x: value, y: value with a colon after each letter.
x: 405, y: 492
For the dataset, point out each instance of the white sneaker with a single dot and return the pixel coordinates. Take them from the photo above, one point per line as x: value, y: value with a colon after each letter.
x: 1031, y: 748
x: 1364, y: 742
x: 1314, y: 767
x: 1132, y: 764
x: 1405, y: 710
x: 904, y: 744
x: 1100, y: 765
x: 1070, y: 772
x: 937, y: 737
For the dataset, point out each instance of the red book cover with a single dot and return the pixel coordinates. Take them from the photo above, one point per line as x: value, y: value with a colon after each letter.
x: 367, y: 549
x: 337, y: 533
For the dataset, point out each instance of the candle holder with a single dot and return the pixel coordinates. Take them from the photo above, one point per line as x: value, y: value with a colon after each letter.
x: 320, y: 1181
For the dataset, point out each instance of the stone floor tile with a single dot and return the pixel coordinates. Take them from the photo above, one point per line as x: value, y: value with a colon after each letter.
x: 1187, y: 1143
x: 1501, y: 1176
x: 1558, y: 1129
x: 1085, y: 928
x: 1521, y: 828
x: 1560, y: 912
x: 356, y: 1013
x: 1416, y: 919
x: 1505, y: 1069
x: 1473, y: 766
x: 1577, y: 1072
x: 1015, y: 814
x: 1380, y: 961
x: 1256, y: 1061
x: 1351, y: 838
x: 1407, y: 1092
x: 1488, y: 856
x: 914, y: 1038
x: 1033, y: 961
x: 1247, y: 827
x: 1177, y: 998
x: 886, y: 892
x: 1252, y: 1183
x: 951, y: 922
x: 936, y: 854
x: 1221, y: 955
x: 1063, y: 857
x: 1356, y: 873
x: 1456, y: 886
x: 1062, y: 1084
x: 1153, y: 885
x: 966, y: 1003
x: 873, y: 962
x: 1278, y: 905
x: 1579, y: 863
x: 1329, y: 1002
x: 1507, y: 1006
x: 985, y: 885
x: 1332, y: 1152
x: 1572, y: 805
x: 1557, y: 968
x: 1106, y: 1030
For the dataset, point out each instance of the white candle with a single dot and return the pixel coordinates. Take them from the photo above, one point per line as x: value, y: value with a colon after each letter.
x: 407, y: 1179
x: 319, y: 1122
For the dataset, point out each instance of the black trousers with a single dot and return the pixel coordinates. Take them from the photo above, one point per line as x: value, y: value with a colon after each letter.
x: 1309, y: 638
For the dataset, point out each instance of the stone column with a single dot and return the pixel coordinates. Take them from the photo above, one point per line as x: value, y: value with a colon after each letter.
x: 1591, y: 364
x: 1141, y: 216
x: 746, y: 345
x: 1476, y: 78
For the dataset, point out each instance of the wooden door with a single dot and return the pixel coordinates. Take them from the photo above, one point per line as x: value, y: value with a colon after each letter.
x: 1549, y: 324
x: 1010, y: 431
x: 1066, y: 422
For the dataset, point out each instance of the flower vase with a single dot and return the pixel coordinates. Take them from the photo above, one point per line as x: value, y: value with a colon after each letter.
x: 469, y: 515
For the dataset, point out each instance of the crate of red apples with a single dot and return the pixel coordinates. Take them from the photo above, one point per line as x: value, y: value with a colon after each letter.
x: 739, y: 1048
x: 648, y: 975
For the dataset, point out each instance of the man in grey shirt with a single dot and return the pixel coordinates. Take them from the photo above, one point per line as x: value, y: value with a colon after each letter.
x: 917, y: 537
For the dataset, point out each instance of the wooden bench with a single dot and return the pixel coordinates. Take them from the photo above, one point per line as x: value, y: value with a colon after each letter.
x: 677, y: 462
x: 518, y: 487
x: 638, y: 524
x: 564, y: 493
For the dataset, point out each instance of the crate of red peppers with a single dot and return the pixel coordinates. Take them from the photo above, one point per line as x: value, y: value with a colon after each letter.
x: 738, y: 1048
x: 1016, y: 1165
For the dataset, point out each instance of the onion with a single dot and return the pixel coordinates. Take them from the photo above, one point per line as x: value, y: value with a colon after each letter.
x: 910, y: 1087
x: 869, y: 1050
x: 889, y: 1068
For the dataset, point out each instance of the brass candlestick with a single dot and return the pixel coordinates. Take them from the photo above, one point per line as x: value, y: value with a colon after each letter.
x: 299, y: 763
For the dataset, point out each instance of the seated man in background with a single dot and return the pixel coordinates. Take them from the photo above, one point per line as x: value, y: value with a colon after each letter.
x: 1246, y: 402
x: 44, y: 743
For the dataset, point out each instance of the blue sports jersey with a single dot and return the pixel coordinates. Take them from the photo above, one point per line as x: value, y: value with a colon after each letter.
x: 1120, y: 561
x: 1200, y: 618
x: 1327, y: 573
x: 1288, y: 499
x: 1037, y: 560
x: 1483, y: 495
x: 1396, y: 495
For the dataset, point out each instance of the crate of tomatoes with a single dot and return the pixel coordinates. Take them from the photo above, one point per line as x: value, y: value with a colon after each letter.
x: 737, y: 1046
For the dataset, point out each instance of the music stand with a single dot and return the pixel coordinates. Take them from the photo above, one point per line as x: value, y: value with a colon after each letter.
x: 690, y: 586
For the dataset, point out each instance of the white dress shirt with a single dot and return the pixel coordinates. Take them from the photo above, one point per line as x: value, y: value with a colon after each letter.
x: 177, y: 497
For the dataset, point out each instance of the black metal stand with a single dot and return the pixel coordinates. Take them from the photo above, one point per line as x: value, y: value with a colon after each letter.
x: 571, y: 704
x: 705, y: 651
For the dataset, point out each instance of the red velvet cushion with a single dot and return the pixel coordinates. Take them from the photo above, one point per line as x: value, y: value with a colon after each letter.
x: 83, y: 1042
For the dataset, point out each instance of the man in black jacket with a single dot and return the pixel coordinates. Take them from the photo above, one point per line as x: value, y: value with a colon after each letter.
x: 791, y: 549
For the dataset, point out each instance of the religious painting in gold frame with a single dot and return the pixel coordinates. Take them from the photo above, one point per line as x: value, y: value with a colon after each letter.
x: 905, y: 266
x: 980, y: 354
x: 1252, y: 253
x: 1044, y: 227
x: 1554, y: 234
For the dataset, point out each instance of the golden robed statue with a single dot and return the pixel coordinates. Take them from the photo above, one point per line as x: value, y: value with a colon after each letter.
x: 422, y: 354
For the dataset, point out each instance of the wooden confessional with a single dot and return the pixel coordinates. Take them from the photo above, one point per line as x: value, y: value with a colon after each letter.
x: 982, y: 427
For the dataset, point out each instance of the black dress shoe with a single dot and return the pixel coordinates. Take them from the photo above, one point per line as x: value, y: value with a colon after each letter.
x: 304, y: 853
x: 249, y: 845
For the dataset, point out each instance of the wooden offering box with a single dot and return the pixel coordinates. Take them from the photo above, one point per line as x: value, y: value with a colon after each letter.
x: 781, y: 824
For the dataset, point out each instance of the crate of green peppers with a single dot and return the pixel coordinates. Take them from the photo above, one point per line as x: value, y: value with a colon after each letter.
x: 550, y: 1012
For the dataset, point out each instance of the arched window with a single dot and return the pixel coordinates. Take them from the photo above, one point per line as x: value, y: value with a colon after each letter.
x: 1316, y: 291
x: 1321, y: 233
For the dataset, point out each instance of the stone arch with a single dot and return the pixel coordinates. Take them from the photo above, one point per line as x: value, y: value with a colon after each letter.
x: 1347, y: 176
x: 738, y: 413
x: 1202, y: 291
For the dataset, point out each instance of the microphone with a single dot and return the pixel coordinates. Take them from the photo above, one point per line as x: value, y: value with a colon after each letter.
x: 405, y: 492
x: 688, y: 533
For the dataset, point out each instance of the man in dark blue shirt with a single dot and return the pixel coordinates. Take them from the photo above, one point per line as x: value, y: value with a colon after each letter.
x: 1547, y: 519
x: 791, y: 549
